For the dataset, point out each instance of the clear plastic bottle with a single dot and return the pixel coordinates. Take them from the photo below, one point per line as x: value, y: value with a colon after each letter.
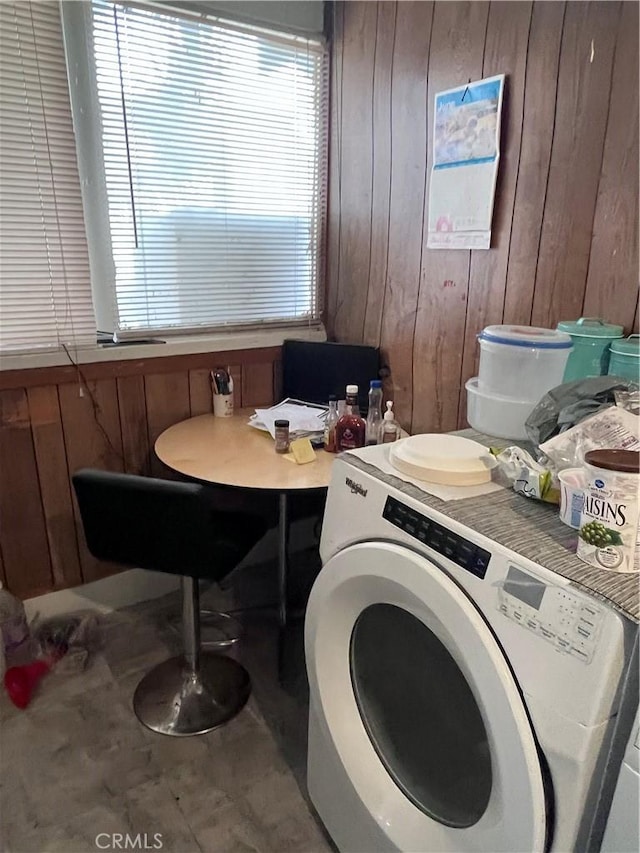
x: 351, y: 429
x: 13, y: 628
x: 330, y: 425
x: 374, y: 415
x: 390, y: 429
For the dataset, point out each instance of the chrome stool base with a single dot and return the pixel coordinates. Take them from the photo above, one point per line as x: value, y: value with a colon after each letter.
x: 219, y: 631
x: 172, y: 699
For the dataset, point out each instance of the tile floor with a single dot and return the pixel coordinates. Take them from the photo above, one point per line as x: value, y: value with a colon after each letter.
x: 77, y: 763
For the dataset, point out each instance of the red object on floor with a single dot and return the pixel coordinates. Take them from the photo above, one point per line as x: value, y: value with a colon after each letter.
x: 20, y: 681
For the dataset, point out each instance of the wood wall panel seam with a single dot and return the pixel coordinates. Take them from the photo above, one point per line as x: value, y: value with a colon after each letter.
x: 506, y: 42
x: 425, y: 205
x: 373, y: 168
x: 23, y: 532
x: 356, y: 183
x: 582, y: 98
x: 461, y: 398
x: 409, y: 92
x: 385, y: 282
x: 93, y: 439
x: 613, y: 262
x: 457, y: 54
x: 604, y: 146
x: 132, y: 408
x: 54, y: 487
x: 543, y: 59
x: 167, y: 398
x: 517, y: 171
x: 381, y: 192
x: 553, y: 133
x: 334, y: 194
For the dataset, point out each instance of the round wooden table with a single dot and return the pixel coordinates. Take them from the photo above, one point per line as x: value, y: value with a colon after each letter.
x: 229, y: 452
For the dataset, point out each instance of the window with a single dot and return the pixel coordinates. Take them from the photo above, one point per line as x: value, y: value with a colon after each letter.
x: 45, y: 290
x: 205, y: 205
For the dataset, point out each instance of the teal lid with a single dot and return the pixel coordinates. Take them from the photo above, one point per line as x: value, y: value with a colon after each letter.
x: 628, y: 346
x: 591, y: 327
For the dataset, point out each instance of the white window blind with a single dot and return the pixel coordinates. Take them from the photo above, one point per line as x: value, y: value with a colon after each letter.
x: 213, y: 147
x: 45, y: 289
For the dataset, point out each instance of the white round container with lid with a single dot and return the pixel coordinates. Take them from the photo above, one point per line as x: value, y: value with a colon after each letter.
x: 522, y: 362
x: 609, y: 536
x: 493, y: 414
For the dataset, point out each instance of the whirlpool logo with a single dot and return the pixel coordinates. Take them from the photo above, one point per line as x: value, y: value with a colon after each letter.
x: 356, y: 488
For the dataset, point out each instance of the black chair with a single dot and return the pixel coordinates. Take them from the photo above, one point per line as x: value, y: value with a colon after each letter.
x: 172, y: 527
x: 311, y: 370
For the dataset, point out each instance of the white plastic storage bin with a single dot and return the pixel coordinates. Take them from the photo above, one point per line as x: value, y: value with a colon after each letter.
x: 521, y: 361
x: 502, y: 417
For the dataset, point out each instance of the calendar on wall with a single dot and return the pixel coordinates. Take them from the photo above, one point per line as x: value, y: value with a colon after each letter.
x: 466, y: 153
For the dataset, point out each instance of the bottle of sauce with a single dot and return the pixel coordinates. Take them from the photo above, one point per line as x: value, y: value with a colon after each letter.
x: 351, y: 429
x: 330, y: 426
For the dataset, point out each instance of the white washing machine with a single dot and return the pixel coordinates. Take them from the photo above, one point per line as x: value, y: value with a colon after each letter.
x: 460, y: 695
x: 622, y: 834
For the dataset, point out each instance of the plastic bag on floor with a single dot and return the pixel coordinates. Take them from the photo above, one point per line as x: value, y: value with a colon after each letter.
x: 68, y: 640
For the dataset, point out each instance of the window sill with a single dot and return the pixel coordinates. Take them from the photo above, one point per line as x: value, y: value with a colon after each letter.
x: 179, y: 345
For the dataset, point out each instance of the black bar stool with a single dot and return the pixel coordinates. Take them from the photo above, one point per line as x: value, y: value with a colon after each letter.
x: 171, y: 527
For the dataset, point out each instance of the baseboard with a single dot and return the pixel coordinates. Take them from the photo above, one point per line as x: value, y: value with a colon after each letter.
x: 112, y: 593
x: 136, y: 585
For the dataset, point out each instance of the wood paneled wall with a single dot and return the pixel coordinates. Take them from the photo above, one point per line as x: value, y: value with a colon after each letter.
x: 55, y: 420
x: 565, y: 225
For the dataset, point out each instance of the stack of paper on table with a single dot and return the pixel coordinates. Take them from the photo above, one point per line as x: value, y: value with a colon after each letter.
x: 305, y: 419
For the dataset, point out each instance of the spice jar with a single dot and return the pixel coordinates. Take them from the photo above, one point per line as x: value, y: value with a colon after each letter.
x: 282, y: 436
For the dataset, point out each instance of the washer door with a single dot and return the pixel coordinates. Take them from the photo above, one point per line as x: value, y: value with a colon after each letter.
x: 413, y: 691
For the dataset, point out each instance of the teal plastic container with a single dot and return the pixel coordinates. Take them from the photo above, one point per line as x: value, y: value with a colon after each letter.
x: 625, y: 358
x: 591, y: 338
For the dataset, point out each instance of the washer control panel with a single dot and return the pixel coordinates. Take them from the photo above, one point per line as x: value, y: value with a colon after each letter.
x: 466, y: 554
x: 568, y: 621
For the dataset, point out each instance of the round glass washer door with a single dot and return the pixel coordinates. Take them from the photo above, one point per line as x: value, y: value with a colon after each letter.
x: 406, y: 684
x: 414, y: 693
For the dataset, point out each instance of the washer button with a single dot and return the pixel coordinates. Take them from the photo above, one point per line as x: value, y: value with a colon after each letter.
x: 450, y: 544
x: 579, y: 653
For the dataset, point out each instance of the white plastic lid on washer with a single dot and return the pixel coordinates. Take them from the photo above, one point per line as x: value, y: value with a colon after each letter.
x: 526, y: 336
x: 446, y: 459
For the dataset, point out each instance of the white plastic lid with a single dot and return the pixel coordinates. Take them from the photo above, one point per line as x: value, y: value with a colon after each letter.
x: 352, y: 389
x: 388, y: 415
x: 451, y: 453
x: 446, y: 459
x: 526, y: 336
